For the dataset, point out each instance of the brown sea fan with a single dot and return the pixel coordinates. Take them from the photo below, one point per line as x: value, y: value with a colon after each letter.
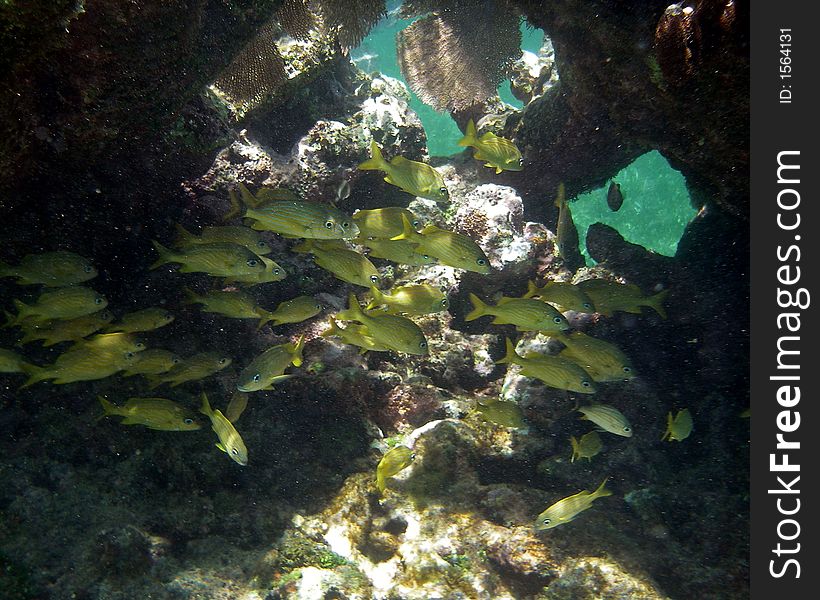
x: 352, y: 19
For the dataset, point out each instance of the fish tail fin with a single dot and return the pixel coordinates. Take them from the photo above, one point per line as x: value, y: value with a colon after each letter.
x: 107, y: 406
x: 377, y: 300
x: 236, y: 206
x: 205, y: 408
x: 532, y: 290
x: 576, y: 451
x: 470, y: 135
x: 668, y: 433
x: 479, y: 308
x: 376, y: 161
x: 602, y: 491
x: 191, y: 297
x: 296, y: 353
x: 35, y: 375
x: 407, y: 232
x: 248, y: 199
x: 265, y: 316
x: 354, y: 309
x: 560, y: 198
x: 333, y: 329
x: 184, y: 237
x: 380, y: 482
x: 656, y: 302
x: 511, y: 354
x: 11, y: 320
x: 164, y: 255
x: 305, y: 246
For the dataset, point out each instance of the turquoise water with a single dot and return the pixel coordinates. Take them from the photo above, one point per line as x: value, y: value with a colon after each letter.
x: 655, y: 211
x: 377, y: 52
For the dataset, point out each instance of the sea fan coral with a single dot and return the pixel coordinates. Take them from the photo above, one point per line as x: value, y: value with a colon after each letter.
x: 352, y: 19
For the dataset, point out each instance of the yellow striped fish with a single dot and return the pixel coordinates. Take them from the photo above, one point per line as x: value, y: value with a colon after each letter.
x: 347, y: 265
x: 52, y: 269
x: 419, y: 299
x: 152, y: 362
x: 566, y: 509
x: 62, y: 303
x: 11, y: 362
x: 234, y: 304
x: 220, y: 260
x: 197, y: 366
x: 564, y: 294
x: 269, y: 367
x: 294, y: 310
x: 393, y: 331
x: 70, y: 330
x: 602, y: 360
x: 297, y: 219
x: 230, y: 442
x: 612, y: 296
x: 230, y: 234
x: 153, y: 413
x: 354, y: 334
x: 588, y: 446
x: 81, y: 366
x: 678, y: 427
x: 272, y: 272
x: 392, y: 463
x: 146, y: 319
x: 450, y: 248
x: 525, y: 313
x: 397, y: 251
x: 554, y: 371
x: 413, y: 177
x: 383, y: 222
x: 607, y: 418
x: 500, y: 153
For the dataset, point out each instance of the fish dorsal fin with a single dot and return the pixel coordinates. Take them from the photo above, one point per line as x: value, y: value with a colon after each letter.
x: 398, y: 161
x: 487, y: 136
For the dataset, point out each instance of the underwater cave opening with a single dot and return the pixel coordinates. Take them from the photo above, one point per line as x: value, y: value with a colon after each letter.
x: 655, y: 210
x: 377, y: 52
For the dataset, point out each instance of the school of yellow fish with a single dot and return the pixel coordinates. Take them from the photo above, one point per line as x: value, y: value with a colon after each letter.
x: 67, y: 311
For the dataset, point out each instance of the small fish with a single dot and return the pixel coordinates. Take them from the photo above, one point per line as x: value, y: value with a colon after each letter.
x: 228, y: 234
x: 383, y: 222
x: 416, y: 178
x: 566, y: 233
x: 237, y: 405
x: 236, y: 305
x: 506, y: 414
x: 450, y: 248
x: 11, y: 362
x: 566, y: 509
x: 248, y: 200
x: 397, y: 251
x: 500, y: 153
x: 614, y: 197
x: 419, y: 299
x: 554, y: 371
x: 52, y: 269
x: 608, y: 418
x: 153, y: 413
x: 111, y: 343
x: 146, y: 319
x: 62, y: 303
x: 197, y: 366
x: 347, y: 265
x: 71, y: 330
x: 678, y: 427
x: 230, y: 442
x: 294, y: 310
x: 602, y: 360
x: 220, y: 260
x: 343, y: 191
x: 588, y: 446
x: 612, y: 296
x: 393, y: 462
x: 526, y: 314
x: 392, y: 331
x: 272, y: 272
x: 81, y: 366
x: 354, y: 334
x: 152, y: 362
x: 563, y: 294
x: 269, y: 367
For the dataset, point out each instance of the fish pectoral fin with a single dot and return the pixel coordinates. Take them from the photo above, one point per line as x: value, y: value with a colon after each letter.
x: 221, y: 447
x: 497, y: 169
x: 500, y: 321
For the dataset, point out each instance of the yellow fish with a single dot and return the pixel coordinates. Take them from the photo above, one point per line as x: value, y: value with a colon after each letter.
x: 62, y: 303
x: 608, y: 418
x: 393, y: 462
x: 297, y: 219
x: 197, y: 366
x: 347, y: 265
x: 500, y: 153
x: 566, y: 234
x: 397, y: 251
x: 220, y: 260
x: 602, y: 360
x: 230, y: 442
x: 420, y: 299
x: 525, y: 313
x: 355, y: 335
x: 383, y: 222
x: 11, y: 362
x: 272, y: 272
x: 450, y: 248
x: 236, y: 305
x: 152, y: 362
x: 71, y: 330
x: 111, y: 343
x: 393, y: 331
x: 294, y: 310
x: 269, y: 367
x: 563, y: 294
x: 237, y: 405
x: 416, y: 178
x: 52, y: 269
x: 81, y: 366
x: 154, y: 413
x: 146, y: 319
x: 612, y: 296
x: 566, y: 509
x: 229, y: 234
x: 507, y: 414
x: 588, y: 446
x: 555, y: 371
x: 678, y: 427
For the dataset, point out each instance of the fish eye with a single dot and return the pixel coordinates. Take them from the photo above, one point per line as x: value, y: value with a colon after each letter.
x: 443, y: 190
x: 416, y: 224
x: 175, y: 361
x: 627, y: 370
x: 88, y: 268
x: 444, y: 303
x: 481, y: 262
x: 329, y: 224
x: 546, y: 521
x: 345, y: 225
x: 98, y: 300
x: 188, y: 421
x: 557, y: 319
x: 139, y: 346
x: 587, y: 305
x: 412, y: 456
x: 318, y: 307
x: 234, y: 451
x: 627, y: 429
x: 425, y: 256
x: 521, y: 162
x: 276, y: 271
x: 257, y: 377
x: 223, y: 361
x: 374, y: 278
x: 585, y: 383
x: 422, y: 344
x: 252, y: 262
x: 129, y: 355
x: 261, y: 244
